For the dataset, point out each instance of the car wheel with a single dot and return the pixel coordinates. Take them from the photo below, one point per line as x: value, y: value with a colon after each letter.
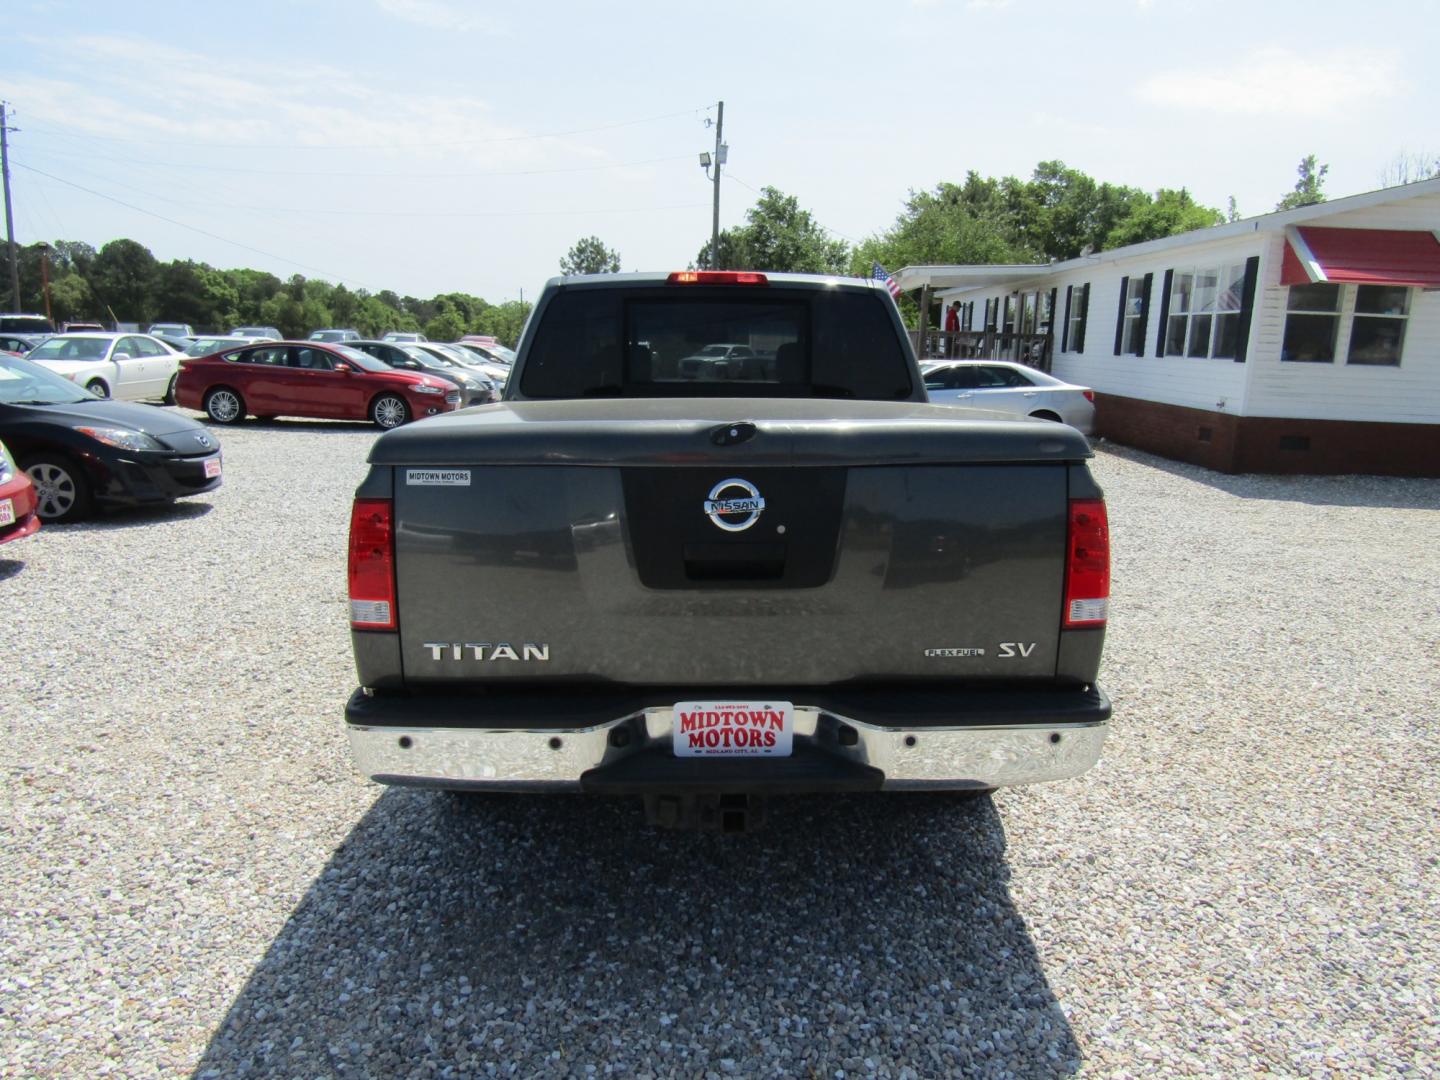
x: 98, y: 388
x: 170, y: 390
x: 1046, y: 416
x: 389, y: 411
x: 224, y: 406
x: 62, y: 490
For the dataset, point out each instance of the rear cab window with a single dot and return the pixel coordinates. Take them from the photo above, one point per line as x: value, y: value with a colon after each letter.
x: 660, y: 341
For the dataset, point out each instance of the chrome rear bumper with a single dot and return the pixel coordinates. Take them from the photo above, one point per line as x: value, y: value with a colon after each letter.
x: 870, y: 755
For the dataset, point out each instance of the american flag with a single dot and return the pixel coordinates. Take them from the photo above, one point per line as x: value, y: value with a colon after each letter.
x: 879, y: 274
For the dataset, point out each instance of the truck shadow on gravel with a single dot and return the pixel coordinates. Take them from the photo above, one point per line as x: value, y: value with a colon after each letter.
x: 542, y: 935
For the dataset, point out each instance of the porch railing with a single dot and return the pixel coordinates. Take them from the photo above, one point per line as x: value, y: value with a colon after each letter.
x: 1033, y: 350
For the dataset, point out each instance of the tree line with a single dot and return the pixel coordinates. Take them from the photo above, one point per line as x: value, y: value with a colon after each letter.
x: 124, y: 282
x: 1058, y: 213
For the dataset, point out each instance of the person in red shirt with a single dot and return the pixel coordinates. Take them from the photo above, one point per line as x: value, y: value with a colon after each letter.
x: 952, y: 324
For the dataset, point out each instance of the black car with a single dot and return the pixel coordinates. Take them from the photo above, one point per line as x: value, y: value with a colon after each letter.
x: 475, y: 388
x: 86, y: 453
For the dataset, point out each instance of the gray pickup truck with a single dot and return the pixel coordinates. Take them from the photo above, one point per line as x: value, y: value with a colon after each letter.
x: 705, y: 584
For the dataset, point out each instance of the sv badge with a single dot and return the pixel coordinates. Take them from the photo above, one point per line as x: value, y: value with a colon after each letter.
x: 1012, y: 649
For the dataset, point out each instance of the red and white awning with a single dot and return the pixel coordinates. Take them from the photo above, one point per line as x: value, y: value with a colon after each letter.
x: 1361, y: 257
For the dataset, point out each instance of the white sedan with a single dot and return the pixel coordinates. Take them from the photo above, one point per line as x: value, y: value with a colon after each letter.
x: 133, y: 367
x: 1011, y: 388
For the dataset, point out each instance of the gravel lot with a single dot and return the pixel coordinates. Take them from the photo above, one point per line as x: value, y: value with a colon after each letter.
x: 194, y: 881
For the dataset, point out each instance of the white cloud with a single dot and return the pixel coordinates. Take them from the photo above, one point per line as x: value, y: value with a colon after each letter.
x: 434, y: 14
x: 1279, y: 82
x: 219, y: 99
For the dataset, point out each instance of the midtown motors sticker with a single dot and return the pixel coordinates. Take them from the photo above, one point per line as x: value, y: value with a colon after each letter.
x: 437, y: 477
x: 734, y: 728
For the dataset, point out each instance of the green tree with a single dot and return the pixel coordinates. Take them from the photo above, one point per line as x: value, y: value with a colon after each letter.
x: 181, y: 294
x: 70, y: 298
x: 505, y: 321
x: 1168, y: 213
x: 780, y: 237
x: 123, y: 277
x: 222, y: 299
x: 590, y: 256
x: 446, y: 326
x: 1407, y: 168
x: 1307, y: 188
x: 953, y: 224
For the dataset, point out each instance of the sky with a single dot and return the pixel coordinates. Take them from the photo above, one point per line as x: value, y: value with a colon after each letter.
x: 430, y: 146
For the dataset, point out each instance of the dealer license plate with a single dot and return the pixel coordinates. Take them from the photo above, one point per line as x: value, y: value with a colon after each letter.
x: 733, y: 728
x: 7, y: 512
x: 212, y: 468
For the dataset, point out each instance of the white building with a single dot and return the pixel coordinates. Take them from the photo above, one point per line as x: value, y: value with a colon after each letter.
x: 1302, y: 341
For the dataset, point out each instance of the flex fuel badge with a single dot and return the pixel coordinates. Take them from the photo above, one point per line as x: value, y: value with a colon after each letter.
x: 437, y: 477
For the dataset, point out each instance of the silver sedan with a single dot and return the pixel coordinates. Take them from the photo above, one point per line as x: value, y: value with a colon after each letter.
x: 1011, y: 388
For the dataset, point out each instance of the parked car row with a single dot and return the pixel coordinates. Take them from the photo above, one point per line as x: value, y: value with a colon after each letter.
x: 310, y: 378
x: 18, y: 517
x: 1001, y: 386
x: 83, y: 452
x: 134, y: 367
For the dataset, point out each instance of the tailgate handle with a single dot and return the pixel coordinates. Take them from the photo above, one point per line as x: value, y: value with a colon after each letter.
x: 734, y: 562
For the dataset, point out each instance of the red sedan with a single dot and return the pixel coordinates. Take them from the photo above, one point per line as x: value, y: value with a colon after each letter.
x: 309, y: 378
x: 17, y: 500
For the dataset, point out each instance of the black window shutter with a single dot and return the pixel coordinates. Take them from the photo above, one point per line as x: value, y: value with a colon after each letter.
x: 1065, y: 325
x: 1164, y: 312
x: 1120, y: 314
x: 1247, y: 307
x: 1144, y: 313
x: 1084, y: 317
x: 1050, y: 325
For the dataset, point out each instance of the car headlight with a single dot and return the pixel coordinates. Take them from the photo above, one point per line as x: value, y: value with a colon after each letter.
x: 120, y: 438
x: 428, y: 390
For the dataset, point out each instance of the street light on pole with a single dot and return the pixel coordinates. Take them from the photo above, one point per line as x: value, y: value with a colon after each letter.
x: 706, y: 160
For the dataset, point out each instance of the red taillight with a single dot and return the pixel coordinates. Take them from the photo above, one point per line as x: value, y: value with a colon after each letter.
x: 1087, y: 564
x: 717, y: 277
x: 372, y: 565
x: 1089, y: 396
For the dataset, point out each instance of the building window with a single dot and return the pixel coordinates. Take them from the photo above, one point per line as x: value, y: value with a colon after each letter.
x: 1027, y: 313
x: 1078, y: 307
x: 1312, y: 317
x: 1377, y: 333
x: 1204, y: 312
x: 1132, y: 335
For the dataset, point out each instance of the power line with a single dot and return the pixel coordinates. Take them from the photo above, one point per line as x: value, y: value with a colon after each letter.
x: 354, y: 173
x: 312, y: 210
x: 183, y: 225
x: 193, y: 143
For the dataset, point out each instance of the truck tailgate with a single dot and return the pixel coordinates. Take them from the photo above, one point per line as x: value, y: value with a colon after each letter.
x: 617, y: 573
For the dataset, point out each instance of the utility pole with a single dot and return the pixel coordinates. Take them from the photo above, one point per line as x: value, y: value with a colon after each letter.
x: 720, y: 149
x: 10, y: 223
x: 45, y: 278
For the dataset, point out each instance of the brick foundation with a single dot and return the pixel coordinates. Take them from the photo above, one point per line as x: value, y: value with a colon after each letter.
x: 1237, y: 444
